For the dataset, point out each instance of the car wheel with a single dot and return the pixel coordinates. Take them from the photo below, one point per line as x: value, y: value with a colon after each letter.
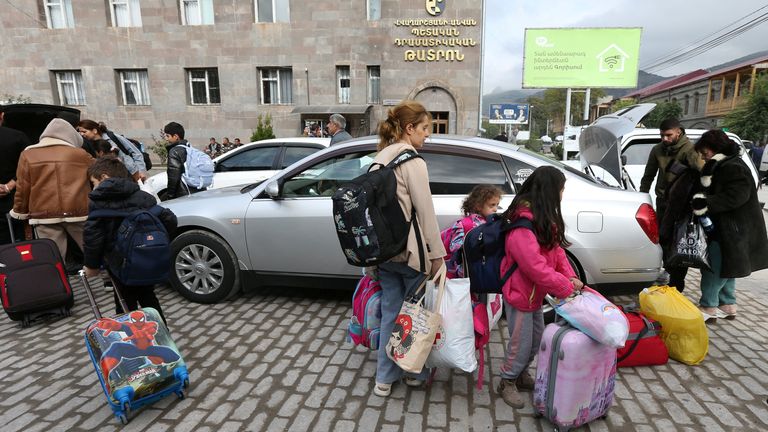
x: 204, y: 267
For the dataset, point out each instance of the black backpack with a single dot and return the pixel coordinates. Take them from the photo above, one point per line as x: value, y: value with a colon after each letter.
x: 483, y: 250
x: 369, y: 220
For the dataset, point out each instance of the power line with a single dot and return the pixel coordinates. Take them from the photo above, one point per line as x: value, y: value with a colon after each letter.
x: 684, y: 54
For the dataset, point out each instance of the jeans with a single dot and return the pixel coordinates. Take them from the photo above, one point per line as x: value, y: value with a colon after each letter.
x: 716, y: 291
x: 398, y: 281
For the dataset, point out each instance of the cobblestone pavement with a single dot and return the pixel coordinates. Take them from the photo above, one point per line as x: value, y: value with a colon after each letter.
x: 277, y: 360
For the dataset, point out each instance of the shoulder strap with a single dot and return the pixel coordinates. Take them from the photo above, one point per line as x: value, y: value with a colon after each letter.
x: 518, y: 223
x: 117, y: 142
x: 402, y: 158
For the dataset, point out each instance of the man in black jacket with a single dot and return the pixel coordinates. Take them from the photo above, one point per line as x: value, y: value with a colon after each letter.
x: 12, y: 142
x: 177, y: 155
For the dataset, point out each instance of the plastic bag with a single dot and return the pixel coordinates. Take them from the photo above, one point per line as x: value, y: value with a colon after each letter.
x: 689, y: 248
x: 682, y: 325
x: 594, y: 315
x: 454, y: 345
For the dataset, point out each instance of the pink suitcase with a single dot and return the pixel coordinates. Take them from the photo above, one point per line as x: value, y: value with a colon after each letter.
x: 575, y: 377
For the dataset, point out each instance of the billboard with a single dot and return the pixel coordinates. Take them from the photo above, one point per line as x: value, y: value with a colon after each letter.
x: 508, y: 114
x: 581, y: 57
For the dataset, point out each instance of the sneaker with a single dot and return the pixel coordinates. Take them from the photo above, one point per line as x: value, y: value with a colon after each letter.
x: 727, y: 312
x: 382, y: 390
x: 413, y: 382
x: 509, y: 393
x: 709, y: 314
x: 525, y: 381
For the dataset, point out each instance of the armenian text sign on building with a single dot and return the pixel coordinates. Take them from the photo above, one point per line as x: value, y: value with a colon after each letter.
x: 581, y: 57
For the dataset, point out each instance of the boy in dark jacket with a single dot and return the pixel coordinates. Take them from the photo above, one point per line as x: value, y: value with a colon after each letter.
x: 115, y: 189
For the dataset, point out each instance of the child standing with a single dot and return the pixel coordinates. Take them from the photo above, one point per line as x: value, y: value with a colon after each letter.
x: 542, y: 269
x: 115, y: 189
x: 481, y: 202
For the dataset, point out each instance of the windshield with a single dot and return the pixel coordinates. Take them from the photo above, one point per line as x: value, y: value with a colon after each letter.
x: 558, y: 164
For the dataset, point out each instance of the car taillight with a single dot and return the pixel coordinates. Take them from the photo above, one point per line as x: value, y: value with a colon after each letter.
x: 646, y: 217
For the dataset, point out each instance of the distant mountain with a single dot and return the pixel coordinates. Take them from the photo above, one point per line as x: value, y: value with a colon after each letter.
x: 644, y: 79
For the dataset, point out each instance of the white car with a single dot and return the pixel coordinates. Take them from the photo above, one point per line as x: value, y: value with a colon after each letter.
x: 615, y: 152
x: 253, y: 162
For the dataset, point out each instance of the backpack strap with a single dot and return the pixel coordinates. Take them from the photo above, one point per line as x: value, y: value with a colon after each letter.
x: 422, y: 257
x: 518, y: 223
x: 117, y: 142
x: 155, y: 210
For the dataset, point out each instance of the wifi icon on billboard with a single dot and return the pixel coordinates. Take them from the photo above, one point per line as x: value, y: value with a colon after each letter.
x: 612, y: 59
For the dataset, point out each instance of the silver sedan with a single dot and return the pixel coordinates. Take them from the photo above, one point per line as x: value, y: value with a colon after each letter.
x: 280, y: 231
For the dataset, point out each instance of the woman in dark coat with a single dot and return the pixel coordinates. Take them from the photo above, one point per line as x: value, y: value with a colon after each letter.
x: 738, y: 244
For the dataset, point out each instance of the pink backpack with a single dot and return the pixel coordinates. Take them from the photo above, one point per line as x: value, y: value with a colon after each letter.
x: 364, y: 326
x: 484, y: 315
x: 448, y: 236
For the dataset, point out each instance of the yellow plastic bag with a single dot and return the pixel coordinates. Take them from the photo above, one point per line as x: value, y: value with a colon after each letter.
x: 682, y: 325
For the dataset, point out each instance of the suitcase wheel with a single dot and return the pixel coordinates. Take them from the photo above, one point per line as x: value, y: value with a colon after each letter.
x: 25, y: 322
x: 182, y: 394
x: 123, y: 419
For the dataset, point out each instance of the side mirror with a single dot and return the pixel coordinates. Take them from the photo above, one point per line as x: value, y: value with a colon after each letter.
x: 273, y: 189
x: 623, y: 160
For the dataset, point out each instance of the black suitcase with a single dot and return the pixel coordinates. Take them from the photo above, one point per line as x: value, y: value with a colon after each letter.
x: 33, y: 280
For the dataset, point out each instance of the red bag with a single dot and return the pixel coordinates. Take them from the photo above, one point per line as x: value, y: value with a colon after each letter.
x: 644, y: 346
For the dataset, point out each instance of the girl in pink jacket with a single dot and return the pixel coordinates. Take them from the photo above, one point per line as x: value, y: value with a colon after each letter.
x: 542, y: 269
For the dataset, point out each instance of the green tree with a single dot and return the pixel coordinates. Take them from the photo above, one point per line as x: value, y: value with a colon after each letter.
x: 491, y: 130
x: 621, y: 104
x: 750, y: 120
x: 159, y: 148
x: 263, y: 128
x: 663, y: 111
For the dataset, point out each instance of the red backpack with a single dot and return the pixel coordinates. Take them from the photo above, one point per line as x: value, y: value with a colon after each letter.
x: 644, y: 346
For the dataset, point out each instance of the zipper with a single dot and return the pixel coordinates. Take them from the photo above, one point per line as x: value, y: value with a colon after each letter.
x: 533, y: 294
x: 553, y: 359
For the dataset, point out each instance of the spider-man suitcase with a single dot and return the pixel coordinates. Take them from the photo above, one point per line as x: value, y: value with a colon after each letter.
x: 135, y: 357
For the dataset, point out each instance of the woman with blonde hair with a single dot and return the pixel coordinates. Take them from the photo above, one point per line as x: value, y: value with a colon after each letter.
x: 406, y: 129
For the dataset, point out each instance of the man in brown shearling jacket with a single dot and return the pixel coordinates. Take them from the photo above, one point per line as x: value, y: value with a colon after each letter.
x: 52, y: 185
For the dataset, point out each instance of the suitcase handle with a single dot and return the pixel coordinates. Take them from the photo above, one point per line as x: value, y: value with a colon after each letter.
x: 9, y: 218
x: 92, y: 299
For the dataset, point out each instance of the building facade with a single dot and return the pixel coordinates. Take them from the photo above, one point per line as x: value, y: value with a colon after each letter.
x: 706, y: 98
x: 215, y: 66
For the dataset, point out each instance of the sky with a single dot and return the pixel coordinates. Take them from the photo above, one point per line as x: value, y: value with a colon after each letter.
x: 667, y: 25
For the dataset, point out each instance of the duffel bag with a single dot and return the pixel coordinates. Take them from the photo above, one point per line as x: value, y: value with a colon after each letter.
x: 644, y: 346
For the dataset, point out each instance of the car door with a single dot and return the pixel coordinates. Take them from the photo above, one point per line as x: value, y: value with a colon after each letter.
x: 246, y: 166
x: 295, y: 234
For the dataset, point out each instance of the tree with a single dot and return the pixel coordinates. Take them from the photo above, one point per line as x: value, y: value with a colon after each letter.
x: 661, y: 112
x: 17, y: 99
x: 159, y: 148
x: 750, y: 120
x: 263, y: 128
x: 621, y: 104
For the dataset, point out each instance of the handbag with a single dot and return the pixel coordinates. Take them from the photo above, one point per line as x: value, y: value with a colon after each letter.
x: 644, y: 346
x: 689, y: 246
x: 454, y: 345
x: 594, y: 315
x: 415, y: 329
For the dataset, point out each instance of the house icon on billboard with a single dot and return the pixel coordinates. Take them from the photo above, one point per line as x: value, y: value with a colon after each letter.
x: 612, y: 59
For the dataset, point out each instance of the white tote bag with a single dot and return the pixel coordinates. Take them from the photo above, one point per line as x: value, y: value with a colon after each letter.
x: 454, y: 345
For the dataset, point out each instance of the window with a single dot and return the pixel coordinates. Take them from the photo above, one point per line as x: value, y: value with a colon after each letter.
x: 343, y: 83
x: 268, y: 11
x: 439, y: 122
x: 196, y: 12
x: 276, y: 85
x: 135, y: 87
x: 325, y: 177
x: 637, y: 152
x: 58, y: 14
x: 714, y: 91
x: 125, y: 13
x: 374, y: 9
x: 259, y: 158
x: 374, y: 84
x: 745, y: 79
x: 687, y: 104
x: 729, y: 90
x: 204, y: 86
x: 295, y: 154
x: 445, y: 179
x: 696, y: 102
x: 70, y: 87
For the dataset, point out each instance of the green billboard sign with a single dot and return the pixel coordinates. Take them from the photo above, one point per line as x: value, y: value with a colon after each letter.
x: 581, y: 57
